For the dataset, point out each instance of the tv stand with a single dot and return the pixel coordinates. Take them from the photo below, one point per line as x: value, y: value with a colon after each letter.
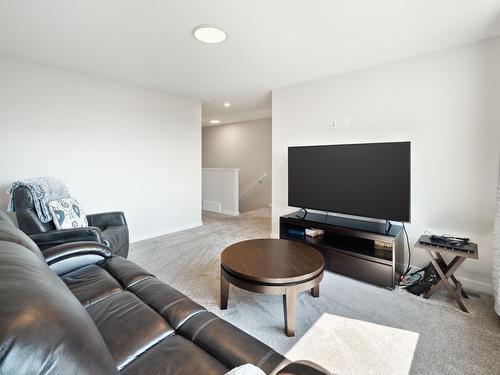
x: 365, y: 250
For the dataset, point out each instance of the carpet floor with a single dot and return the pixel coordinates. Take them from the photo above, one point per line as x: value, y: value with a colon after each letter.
x: 352, y: 328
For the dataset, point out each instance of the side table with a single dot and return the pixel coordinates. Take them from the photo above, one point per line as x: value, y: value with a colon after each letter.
x: 446, y: 270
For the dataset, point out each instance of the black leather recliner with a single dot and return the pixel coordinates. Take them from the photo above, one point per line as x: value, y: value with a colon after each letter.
x: 108, y: 228
x: 77, y: 309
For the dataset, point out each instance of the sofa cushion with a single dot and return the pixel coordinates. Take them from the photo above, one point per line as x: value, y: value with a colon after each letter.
x: 91, y: 284
x: 171, y: 304
x: 44, y: 329
x: 125, y: 271
x: 229, y: 344
x: 129, y: 327
x: 175, y: 356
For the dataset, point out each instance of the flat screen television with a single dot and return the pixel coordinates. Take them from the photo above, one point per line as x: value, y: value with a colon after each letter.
x: 370, y: 180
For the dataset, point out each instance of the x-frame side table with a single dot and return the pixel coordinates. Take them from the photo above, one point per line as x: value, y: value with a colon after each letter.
x: 446, y: 271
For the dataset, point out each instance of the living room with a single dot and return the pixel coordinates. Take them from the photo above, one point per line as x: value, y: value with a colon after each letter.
x: 113, y: 260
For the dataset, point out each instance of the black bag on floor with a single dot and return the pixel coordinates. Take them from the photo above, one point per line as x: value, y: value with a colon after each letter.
x: 429, y: 279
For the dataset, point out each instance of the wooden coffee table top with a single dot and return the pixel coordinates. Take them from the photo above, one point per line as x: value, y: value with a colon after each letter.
x: 272, y: 261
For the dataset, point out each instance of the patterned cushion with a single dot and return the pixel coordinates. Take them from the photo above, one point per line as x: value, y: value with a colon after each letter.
x: 67, y: 213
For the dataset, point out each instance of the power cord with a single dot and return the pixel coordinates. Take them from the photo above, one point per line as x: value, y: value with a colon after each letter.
x: 408, y: 267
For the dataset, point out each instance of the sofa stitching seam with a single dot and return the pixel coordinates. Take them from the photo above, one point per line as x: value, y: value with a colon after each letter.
x: 103, y: 298
x: 186, y: 319
x: 171, y: 304
x: 263, y: 360
x: 168, y: 334
x: 202, y: 327
x: 139, y: 281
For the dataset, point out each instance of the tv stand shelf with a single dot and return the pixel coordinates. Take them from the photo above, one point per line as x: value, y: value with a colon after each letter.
x: 361, y: 249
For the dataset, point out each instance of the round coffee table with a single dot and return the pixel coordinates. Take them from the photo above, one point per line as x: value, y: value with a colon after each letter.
x: 272, y: 266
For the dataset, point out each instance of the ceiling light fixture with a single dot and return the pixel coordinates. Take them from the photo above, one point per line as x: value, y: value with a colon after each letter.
x: 210, y: 34
x: 227, y: 104
x: 215, y: 122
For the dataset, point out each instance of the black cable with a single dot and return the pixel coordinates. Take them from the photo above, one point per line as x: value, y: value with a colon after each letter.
x: 408, y: 267
x: 419, y: 270
x: 388, y: 226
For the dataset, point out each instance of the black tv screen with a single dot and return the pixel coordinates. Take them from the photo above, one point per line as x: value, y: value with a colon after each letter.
x: 370, y: 180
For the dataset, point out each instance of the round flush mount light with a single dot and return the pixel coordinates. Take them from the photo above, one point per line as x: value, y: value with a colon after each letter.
x: 211, y: 34
x: 227, y: 104
x: 215, y: 122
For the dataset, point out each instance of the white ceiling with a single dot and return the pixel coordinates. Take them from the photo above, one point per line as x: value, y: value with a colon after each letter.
x: 271, y: 44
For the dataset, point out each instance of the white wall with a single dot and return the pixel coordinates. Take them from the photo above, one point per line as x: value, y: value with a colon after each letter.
x: 220, y: 190
x: 495, y: 254
x: 446, y: 104
x: 247, y: 146
x: 116, y: 147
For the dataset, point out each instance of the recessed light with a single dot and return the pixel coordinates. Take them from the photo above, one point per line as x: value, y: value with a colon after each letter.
x: 227, y: 104
x: 215, y: 122
x: 210, y: 34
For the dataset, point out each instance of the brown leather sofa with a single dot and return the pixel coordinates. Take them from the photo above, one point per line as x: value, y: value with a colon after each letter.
x: 78, y: 309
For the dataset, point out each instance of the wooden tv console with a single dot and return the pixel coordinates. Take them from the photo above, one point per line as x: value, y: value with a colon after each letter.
x: 364, y: 250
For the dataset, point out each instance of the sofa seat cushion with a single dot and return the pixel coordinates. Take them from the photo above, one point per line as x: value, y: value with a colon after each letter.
x: 91, y: 284
x: 175, y: 356
x: 171, y: 304
x: 228, y: 344
x: 128, y: 326
x: 125, y: 271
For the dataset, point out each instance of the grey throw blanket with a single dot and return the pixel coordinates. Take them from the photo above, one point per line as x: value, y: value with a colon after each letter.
x: 43, y: 190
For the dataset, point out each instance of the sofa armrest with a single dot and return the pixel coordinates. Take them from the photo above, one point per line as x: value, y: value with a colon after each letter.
x: 70, y: 256
x: 303, y: 368
x: 57, y: 237
x: 106, y: 219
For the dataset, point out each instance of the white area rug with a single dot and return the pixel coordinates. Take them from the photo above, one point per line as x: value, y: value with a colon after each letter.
x: 367, y: 348
x: 353, y: 328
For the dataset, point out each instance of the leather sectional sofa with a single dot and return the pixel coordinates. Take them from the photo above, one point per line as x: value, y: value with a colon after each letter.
x: 78, y: 309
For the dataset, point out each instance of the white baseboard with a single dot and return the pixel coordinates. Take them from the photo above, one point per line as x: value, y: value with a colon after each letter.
x: 476, y: 285
x: 230, y: 213
x: 212, y: 206
x: 275, y: 235
x: 177, y: 228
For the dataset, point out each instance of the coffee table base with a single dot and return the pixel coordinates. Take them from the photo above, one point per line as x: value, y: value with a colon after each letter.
x: 289, y: 293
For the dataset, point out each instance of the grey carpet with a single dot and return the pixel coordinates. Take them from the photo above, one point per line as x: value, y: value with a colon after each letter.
x: 353, y: 328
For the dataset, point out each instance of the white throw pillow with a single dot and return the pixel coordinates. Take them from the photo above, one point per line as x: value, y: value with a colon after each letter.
x: 67, y: 213
x: 247, y: 369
